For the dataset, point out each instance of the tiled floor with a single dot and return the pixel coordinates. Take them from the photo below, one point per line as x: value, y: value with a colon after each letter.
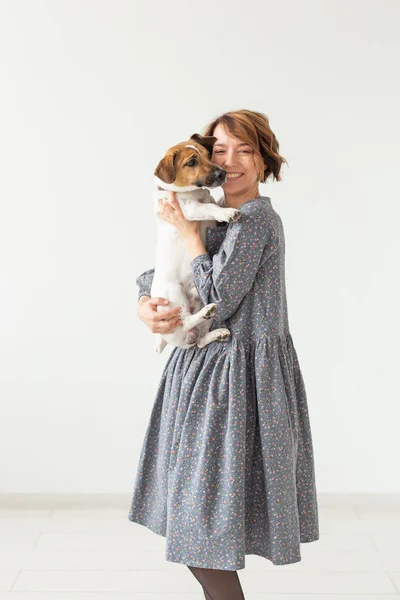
x: 84, y: 548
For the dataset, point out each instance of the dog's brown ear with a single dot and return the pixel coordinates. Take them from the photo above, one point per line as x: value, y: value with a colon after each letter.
x: 207, y: 141
x: 165, y: 169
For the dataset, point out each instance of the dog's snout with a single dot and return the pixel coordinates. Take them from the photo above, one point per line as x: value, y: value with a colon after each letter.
x: 216, y: 177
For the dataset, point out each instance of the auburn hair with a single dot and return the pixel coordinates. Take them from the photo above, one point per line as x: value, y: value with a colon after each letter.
x: 253, y: 128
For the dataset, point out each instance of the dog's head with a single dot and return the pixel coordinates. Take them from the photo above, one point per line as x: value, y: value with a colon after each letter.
x: 188, y: 164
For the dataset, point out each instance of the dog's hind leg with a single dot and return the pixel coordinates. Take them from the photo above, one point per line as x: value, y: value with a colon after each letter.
x: 192, y: 336
x: 190, y: 321
x: 219, y: 335
x: 160, y: 344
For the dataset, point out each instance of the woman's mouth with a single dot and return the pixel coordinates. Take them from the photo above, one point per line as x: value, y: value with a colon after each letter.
x: 230, y: 176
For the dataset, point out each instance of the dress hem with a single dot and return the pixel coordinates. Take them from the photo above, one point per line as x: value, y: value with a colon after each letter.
x: 240, y: 566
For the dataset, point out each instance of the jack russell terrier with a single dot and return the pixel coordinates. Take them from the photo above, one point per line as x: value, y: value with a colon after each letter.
x: 187, y: 170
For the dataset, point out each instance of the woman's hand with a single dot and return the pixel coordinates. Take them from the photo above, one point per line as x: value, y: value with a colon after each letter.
x: 158, y: 321
x: 171, y: 211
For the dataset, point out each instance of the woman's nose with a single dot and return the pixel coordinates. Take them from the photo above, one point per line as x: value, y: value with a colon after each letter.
x: 229, y: 159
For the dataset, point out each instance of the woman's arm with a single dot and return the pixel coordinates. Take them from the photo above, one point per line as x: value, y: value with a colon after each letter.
x: 165, y: 321
x: 229, y: 275
x: 144, y: 281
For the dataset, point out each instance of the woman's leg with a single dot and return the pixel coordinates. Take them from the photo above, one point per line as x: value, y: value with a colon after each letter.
x: 218, y: 584
x: 206, y: 596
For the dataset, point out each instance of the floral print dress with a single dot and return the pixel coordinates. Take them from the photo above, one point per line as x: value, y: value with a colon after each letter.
x: 227, y: 465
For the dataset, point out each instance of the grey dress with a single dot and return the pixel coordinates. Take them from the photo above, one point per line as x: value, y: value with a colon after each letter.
x: 227, y: 467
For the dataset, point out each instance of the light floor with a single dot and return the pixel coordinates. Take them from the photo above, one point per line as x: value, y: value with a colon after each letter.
x: 84, y: 548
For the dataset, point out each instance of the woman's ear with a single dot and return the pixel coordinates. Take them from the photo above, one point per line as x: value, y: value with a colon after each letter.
x: 165, y: 169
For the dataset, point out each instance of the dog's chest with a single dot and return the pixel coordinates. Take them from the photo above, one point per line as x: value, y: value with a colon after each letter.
x: 214, y: 238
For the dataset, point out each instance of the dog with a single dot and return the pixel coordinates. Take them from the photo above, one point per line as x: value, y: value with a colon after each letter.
x: 187, y: 169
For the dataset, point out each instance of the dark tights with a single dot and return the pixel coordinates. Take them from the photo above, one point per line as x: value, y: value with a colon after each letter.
x: 218, y: 584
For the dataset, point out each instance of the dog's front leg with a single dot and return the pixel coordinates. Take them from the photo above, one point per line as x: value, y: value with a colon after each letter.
x: 196, y: 211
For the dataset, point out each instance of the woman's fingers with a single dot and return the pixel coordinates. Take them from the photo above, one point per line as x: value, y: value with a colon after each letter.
x: 163, y: 321
x: 172, y: 324
x: 165, y: 209
x: 175, y: 204
x: 171, y: 204
x: 166, y: 326
x: 165, y: 315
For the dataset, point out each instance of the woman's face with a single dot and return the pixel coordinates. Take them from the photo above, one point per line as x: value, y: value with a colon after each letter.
x: 237, y: 159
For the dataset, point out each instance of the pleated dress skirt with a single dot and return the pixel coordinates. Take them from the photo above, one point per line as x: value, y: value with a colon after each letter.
x: 226, y: 467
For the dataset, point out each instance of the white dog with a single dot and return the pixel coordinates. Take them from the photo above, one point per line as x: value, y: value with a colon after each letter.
x: 187, y: 170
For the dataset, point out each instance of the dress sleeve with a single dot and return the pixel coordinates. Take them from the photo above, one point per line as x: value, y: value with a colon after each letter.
x: 229, y: 275
x: 144, y: 281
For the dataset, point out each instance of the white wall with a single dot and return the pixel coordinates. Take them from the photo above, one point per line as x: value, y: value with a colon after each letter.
x: 93, y: 93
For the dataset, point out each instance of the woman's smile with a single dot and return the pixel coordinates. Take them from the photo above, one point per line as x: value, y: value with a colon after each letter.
x: 233, y: 175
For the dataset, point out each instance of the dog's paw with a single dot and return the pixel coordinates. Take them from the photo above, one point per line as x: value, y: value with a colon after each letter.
x: 235, y: 215
x: 223, y: 334
x: 231, y: 215
x: 210, y: 312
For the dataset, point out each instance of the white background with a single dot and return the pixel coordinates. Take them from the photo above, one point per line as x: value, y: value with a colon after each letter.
x: 92, y: 95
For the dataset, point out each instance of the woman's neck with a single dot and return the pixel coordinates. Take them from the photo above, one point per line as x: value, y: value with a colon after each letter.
x: 236, y: 201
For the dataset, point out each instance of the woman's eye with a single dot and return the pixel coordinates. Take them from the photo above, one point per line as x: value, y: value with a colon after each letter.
x: 221, y: 151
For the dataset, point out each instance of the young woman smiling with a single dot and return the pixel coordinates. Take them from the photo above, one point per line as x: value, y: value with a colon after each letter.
x: 227, y: 466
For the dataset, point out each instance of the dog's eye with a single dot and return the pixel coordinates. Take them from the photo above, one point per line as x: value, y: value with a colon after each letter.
x: 191, y: 163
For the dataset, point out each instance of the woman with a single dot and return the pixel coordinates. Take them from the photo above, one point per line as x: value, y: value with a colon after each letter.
x: 227, y: 467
